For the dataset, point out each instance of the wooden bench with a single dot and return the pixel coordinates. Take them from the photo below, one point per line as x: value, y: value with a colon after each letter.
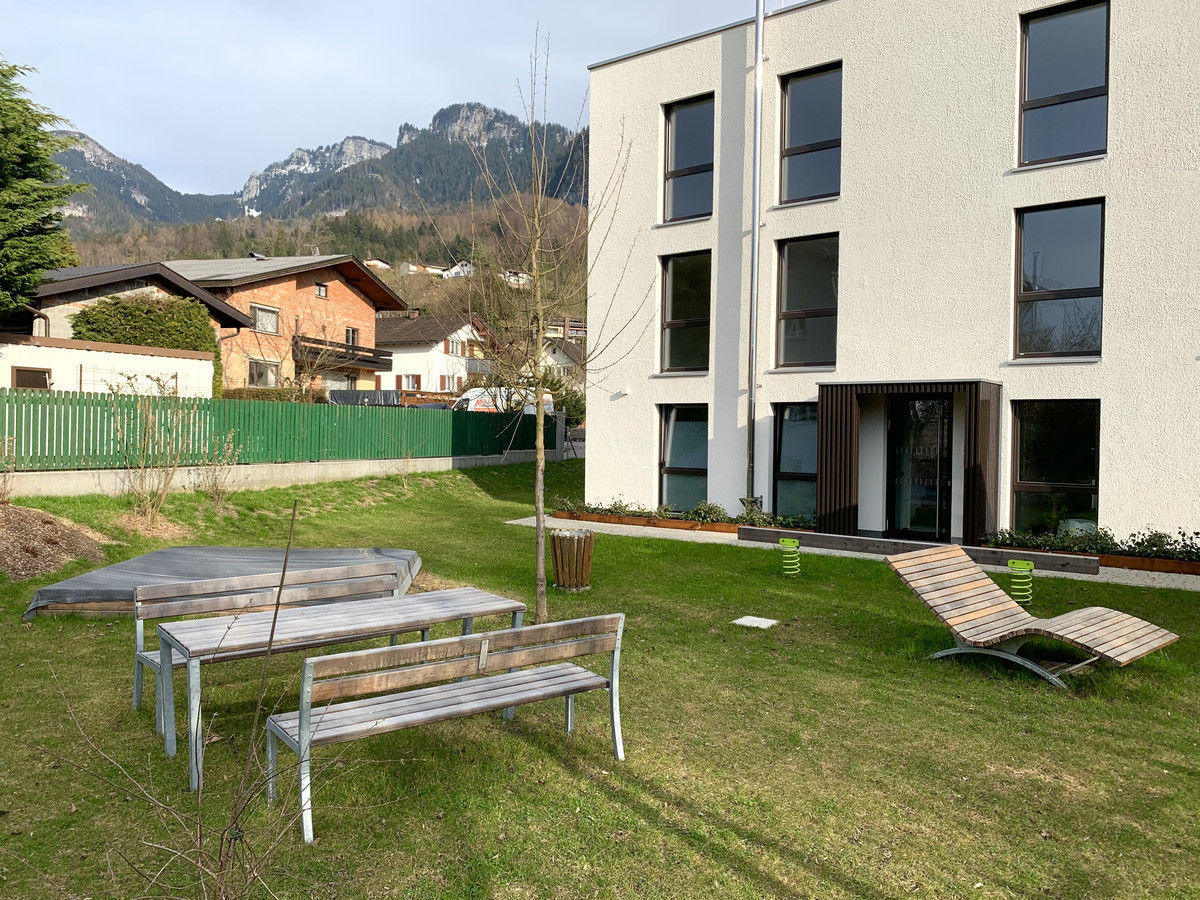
x: 463, y: 665
x: 302, y: 587
x: 986, y: 621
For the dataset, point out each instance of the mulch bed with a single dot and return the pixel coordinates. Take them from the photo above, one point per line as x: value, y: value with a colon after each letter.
x: 33, y: 542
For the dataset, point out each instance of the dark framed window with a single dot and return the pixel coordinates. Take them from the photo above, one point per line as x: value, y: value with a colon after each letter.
x: 796, y: 459
x: 322, y: 289
x: 683, y: 461
x: 808, y: 289
x: 1056, y: 465
x: 33, y: 379
x: 352, y: 336
x: 263, y: 373
x: 1060, y: 257
x: 1064, y: 83
x: 687, y: 306
x: 266, y: 320
x: 689, y: 164
x: 812, y: 134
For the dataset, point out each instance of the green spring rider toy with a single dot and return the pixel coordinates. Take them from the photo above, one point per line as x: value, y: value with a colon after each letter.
x: 1021, y: 587
x: 790, y: 548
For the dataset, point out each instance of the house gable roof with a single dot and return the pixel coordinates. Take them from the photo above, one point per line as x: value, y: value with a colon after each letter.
x: 81, y: 278
x: 398, y: 330
x: 231, y: 273
x: 569, y: 349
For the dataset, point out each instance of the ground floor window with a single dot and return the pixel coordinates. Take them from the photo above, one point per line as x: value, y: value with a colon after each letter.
x: 408, y: 382
x: 263, y: 373
x: 1056, y: 476
x: 796, y: 459
x: 38, y: 379
x: 683, y: 465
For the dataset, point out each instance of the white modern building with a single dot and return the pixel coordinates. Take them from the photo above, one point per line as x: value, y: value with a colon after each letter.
x: 977, y: 272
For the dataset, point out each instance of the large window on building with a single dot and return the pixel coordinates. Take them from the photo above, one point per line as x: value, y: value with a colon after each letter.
x: 263, y: 373
x: 689, y: 166
x: 1059, y: 288
x: 796, y: 459
x: 1064, y: 106
x: 808, y: 289
x: 683, y: 466
x: 812, y: 134
x: 266, y: 319
x: 31, y: 379
x: 1056, y: 476
x: 687, y: 303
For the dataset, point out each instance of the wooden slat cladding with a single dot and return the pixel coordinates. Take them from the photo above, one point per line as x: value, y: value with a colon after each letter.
x: 837, y: 458
x: 838, y: 428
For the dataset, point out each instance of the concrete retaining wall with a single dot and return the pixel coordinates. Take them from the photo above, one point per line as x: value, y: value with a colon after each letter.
x: 262, y: 475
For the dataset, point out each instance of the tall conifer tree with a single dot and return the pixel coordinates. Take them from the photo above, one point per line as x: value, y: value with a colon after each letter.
x: 32, y: 193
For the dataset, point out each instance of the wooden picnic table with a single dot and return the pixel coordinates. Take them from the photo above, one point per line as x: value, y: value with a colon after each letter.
x: 246, y: 635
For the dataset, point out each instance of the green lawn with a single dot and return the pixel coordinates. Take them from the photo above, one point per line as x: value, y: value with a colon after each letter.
x: 823, y: 758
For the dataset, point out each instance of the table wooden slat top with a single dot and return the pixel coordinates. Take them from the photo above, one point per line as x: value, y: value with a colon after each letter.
x: 359, y: 619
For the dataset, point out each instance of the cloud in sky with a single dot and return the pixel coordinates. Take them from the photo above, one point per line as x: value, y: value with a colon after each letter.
x: 202, y: 93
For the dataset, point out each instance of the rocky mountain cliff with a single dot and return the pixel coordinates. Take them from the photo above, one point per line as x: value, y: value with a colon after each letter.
x: 428, y: 166
x: 281, y: 181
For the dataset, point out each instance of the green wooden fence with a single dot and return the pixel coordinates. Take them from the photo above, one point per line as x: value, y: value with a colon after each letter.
x: 49, y: 430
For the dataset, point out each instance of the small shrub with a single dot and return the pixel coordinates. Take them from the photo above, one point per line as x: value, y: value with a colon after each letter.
x: 707, y: 512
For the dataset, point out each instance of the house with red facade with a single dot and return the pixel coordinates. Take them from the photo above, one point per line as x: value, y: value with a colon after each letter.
x: 312, y: 319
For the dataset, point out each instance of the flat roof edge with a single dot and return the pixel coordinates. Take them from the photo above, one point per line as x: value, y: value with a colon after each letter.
x: 742, y: 23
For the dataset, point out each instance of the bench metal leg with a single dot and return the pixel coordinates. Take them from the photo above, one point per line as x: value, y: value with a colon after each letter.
x: 518, y: 618
x: 618, y: 741
x: 137, y: 681
x: 570, y: 713
x: 195, y: 735
x: 166, y: 696
x: 272, y: 763
x: 306, y: 823
x: 159, y: 704
x: 424, y: 634
x: 1002, y: 652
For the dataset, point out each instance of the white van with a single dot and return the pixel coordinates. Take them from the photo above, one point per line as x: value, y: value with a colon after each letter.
x: 498, y: 399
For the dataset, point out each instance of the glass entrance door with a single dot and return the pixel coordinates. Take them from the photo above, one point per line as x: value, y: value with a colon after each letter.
x: 919, y: 430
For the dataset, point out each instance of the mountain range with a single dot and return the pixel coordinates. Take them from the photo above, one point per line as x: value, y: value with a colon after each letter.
x: 427, y: 167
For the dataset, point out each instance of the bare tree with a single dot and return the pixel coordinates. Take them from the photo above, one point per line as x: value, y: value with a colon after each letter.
x: 538, y: 271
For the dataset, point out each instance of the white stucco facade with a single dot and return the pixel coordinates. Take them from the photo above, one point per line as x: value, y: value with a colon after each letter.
x: 441, y: 365
x: 927, y: 226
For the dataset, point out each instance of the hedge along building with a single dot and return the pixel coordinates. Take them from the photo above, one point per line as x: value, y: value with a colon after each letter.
x: 312, y: 319
x: 976, y: 273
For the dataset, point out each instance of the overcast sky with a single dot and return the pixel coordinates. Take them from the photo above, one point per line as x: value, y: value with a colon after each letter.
x: 201, y: 93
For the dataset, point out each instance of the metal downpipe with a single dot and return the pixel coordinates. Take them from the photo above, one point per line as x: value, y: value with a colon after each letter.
x: 755, y: 218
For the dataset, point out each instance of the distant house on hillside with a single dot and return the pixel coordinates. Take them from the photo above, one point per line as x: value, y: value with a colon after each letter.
x: 434, y: 354
x: 463, y: 268
x: 312, y: 318
x: 565, y: 359
x: 376, y: 263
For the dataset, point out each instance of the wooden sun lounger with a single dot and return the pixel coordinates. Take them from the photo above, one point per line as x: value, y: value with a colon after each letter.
x: 985, y: 620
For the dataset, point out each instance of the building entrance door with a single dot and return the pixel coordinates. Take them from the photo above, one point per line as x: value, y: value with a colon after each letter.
x: 918, y: 463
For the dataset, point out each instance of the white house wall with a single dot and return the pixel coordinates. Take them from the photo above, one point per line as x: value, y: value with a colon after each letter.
x: 926, y: 220
x: 430, y: 361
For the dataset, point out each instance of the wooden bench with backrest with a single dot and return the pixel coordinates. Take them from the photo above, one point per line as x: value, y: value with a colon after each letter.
x: 985, y: 620
x: 346, y: 696
x: 245, y: 593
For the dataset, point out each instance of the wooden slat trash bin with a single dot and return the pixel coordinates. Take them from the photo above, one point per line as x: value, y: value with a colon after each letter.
x: 571, y: 552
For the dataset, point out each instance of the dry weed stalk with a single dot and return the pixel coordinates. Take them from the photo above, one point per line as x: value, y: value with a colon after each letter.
x: 215, y: 476
x: 8, y: 468
x: 154, y: 434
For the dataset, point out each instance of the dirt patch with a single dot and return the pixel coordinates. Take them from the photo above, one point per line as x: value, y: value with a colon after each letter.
x: 33, y: 542
x: 427, y: 581
x: 162, y: 529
